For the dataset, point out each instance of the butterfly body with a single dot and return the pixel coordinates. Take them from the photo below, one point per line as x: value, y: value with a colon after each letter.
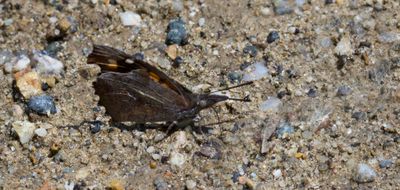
x: 133, y: 90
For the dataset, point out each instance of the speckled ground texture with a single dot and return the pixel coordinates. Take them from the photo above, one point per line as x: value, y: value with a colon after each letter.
x: 313, y: 139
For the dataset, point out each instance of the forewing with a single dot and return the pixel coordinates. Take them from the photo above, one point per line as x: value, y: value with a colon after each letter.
x: 110, y: 59
x: 134, y: 97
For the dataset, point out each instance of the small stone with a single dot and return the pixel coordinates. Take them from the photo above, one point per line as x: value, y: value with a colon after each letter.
x: 282, y: 7
x: 64, y: 24
x: 53, y: 48
x: 5, y: 56
x: 389, y: 37
x: 277, y: 173
x: 178, y: 61
x: 190, y: 184
x: 284, y: 129
x: 172, y: 51
x: 116, y: 184
x: 312, y: 93
x: 22, y: 63
x: 95, y: 126
x: 41, y: 132
x: 160, y: 184
x: 47, y: 65
x: 235, y: 77
x: 130, y: 18
x: 364, y: 174
x: 385, y: 163
x: 25, y: 130
x: 150, y: 149
x: 343, y: 91
x: 272, y: 104
x: 29, y: 84
x: 272, y: 37
x: 176, y: 33
x: 255, y: 72
x: 202, y: 21
x: 251, y: 50
x: 43, y: 105
x: 153, y: 165
x: 211, y: 149
x: 177, y: 159
x: 325, y: 42
x: 164, y: 63
x: 359, y: 115
x: 82, y: 173
x: 300, y: 155
x: 177, y: 6
x: 138, y: 56
x: 265, y: 11
x: 343, y: 48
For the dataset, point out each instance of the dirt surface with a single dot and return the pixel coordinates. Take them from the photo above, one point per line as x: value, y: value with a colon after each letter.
x: 335, y: 69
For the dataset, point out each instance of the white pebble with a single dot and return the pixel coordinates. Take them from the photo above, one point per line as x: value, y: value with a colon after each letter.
x: 177, y: 159
x: 202, y: 21
x: 344, y: 47
x: 22, y: 63
x: 41, y: 132
x: 272, y: 104
x: 389, y: 37
x: 364, y: 174
x: 47, y: 64
x: 130, y: 18
x: 25, y: 130
x: 277, y: 173
x: 255, y: 72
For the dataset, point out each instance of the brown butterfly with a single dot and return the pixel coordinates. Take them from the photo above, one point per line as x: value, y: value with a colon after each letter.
x: 133, y: 90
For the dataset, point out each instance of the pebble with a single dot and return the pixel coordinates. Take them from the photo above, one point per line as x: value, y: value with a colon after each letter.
x: 364, y: 174
x: 385, y: 163
x: 17, y: 111
x: 150, y: 149
x: 177, y: 159
x: 64, y: 24
x: 116, y: 184
x: 250, y: 50
x: 282, y: 7
x: 343, y: 48
x: 160, y: 184
x: 29, y: 84
x: 202, y: 21
x: 176, y: 32
x: 284, y: 129
x: 272, y: 104
x: 325, y: 42
x: 41, y: 132
x: 343, y: 91
x: 172, y: 51
x: 265, y: 11
x: 53, y: 48
x: 211, y: 149
x: 17, y: 64
x: 235, y: 77
x: 388, y: 37
x: 359, y: 115
x: 255, y: 71
x: 164, y: 63
x: 312, y: 93
x: 43, y: 105
x: 277, y: 173
x: 178, y: 61
x: 95, y: 126
x: 47, y: 65
x: 272, y: 37
x: 177, y: 6
x: 190, y: 184
x: 25, y: 130
x: 130, y: 18
x: 5, y: 56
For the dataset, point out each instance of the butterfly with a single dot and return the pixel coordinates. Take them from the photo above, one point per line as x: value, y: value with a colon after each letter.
x: 133, y: 90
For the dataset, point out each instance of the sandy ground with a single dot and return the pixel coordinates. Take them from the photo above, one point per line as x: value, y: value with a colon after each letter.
x: 314, y: 139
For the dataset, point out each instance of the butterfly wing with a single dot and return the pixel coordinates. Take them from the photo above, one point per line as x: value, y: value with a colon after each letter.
x: 134, y: 97
x: 111, y: 59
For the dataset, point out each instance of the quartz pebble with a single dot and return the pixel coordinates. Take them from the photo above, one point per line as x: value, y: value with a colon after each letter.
x: 272, y: 104
x: 177, y: 159
x: 41, y: 132
x: 25, y: 130
x: 343, y: 48
x: 47, y: 65
x: 5, y: 56
x: 17, y: 64
x: 255, y: 72
x: 364, y: 174
x: 190, y: 184
x: 130, y: 18
x: 43, y: 105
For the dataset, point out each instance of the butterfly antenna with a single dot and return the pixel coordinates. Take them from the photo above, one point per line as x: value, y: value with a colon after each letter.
x: 245, y: 99
x: 232, y: 87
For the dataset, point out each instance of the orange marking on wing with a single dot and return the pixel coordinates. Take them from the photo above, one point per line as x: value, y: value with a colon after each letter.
x: 112, y: 66
x: 154, y: 77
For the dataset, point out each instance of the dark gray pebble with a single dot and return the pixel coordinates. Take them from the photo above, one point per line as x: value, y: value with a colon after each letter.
x: 176, y: 33
x: 235, y: 77
x: 95, y: 126
x: 359, y: 115
x: 343, y: 91
x: 178, y: 61
x: 250, y: 50
x: 42, y: 105
x: 272, y: 37
x: 53, y: 48
x: 312, y: 93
